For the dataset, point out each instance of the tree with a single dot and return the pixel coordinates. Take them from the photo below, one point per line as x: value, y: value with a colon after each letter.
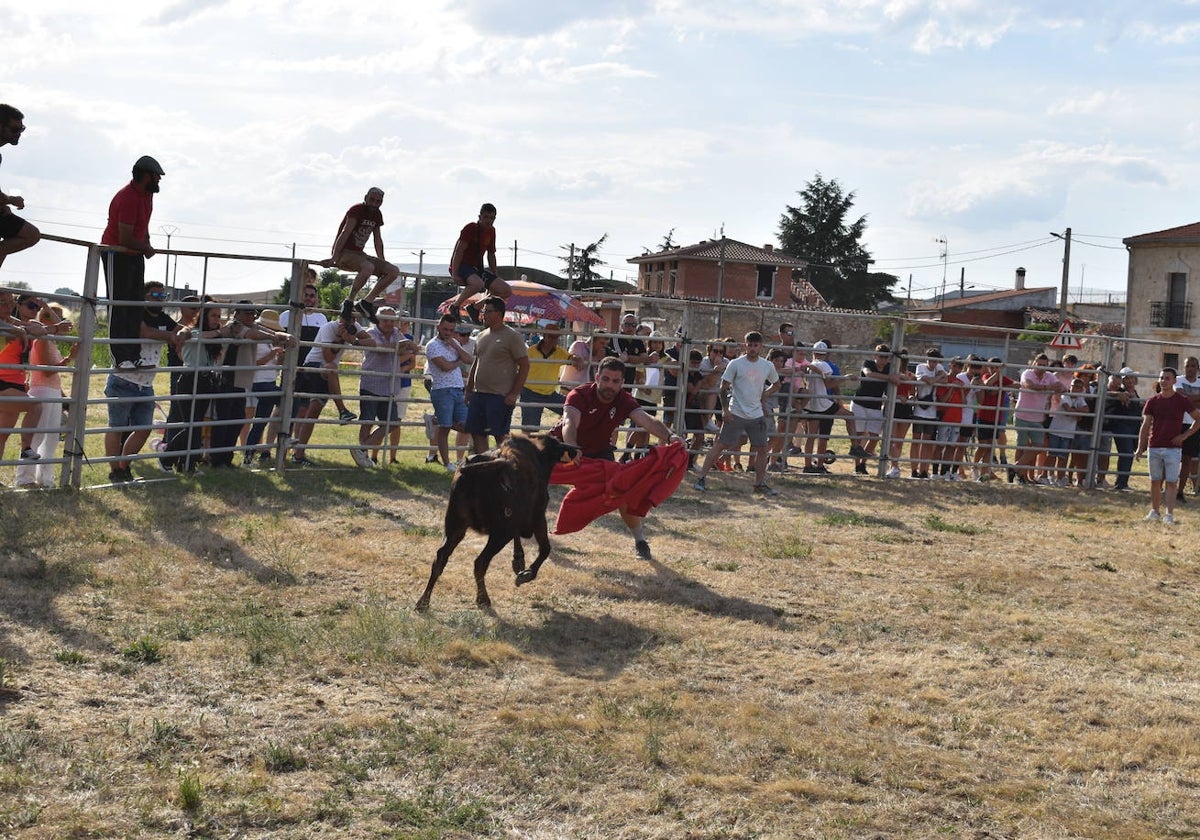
x: 581, y: 269
x: 838, y: 264
x: 327, y: 280
x: 19, y: 286
x: 63, y: 290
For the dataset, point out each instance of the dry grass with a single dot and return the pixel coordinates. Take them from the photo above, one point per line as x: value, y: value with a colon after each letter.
x: 239, y: 657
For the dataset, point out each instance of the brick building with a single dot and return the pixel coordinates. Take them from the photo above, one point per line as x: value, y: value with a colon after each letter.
x: 727, y: 270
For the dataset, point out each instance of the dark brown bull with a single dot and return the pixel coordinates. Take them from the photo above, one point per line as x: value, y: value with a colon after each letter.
x: 502, y: 493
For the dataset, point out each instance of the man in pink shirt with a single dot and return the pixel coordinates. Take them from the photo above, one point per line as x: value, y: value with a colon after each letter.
x: 1037, y: 386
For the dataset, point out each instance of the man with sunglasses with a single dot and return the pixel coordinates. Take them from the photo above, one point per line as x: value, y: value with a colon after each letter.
x: 16, y: 234
x: 131, y: 389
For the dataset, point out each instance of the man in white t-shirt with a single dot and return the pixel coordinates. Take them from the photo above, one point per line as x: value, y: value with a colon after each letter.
x: 747, y: 381
x: 1189, y: 386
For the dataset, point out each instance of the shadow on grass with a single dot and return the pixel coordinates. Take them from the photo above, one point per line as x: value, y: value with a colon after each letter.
x: 594, y: 647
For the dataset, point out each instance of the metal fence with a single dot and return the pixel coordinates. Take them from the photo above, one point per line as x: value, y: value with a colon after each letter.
x: 800, y: 441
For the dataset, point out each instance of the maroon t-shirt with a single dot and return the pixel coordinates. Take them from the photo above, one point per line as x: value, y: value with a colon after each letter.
x: 368, y: 219
x: 477, y: 241
x: 597, y: 420
x: 1168, y: 417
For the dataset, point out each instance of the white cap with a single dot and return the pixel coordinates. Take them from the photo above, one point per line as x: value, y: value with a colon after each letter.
x: 820, y: 347
x: 1128, y: 371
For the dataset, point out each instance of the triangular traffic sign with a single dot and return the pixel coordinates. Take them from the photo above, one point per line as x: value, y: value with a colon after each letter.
x: 1065, y: 339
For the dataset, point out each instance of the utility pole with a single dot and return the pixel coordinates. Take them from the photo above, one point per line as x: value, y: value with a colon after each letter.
x: 720, y: 278
x: 1066, y: 274
x: 169, y: 230
x: 962, y: 282
x: 418, y: 284
x: 571, y: 270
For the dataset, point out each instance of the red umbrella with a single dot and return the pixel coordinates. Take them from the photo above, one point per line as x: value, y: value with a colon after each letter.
x: 540, y: 303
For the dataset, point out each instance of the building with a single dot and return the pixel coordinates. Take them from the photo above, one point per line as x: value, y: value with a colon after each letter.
x: 1160, y: 297
x: 728, y: 270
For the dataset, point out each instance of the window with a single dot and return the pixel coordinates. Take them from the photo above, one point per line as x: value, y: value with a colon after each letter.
x: 1175, y: 312
x: 1171, y: 360
x: 766, y: 282
x: 672, y: 280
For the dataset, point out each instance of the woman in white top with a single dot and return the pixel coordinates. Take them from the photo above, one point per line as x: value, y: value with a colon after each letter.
x: 46, y: 387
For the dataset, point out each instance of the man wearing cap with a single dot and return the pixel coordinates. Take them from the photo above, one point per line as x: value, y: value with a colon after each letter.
x: 541, y: 387
x: 360, y: 225
x: 16, y: 234
x: 128, y: 235
x: 385, y: 370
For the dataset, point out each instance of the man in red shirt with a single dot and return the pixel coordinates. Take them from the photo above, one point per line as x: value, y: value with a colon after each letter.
x: 475, y: 241
x: 593, y: 412
x: 128, y: 235
x: 1163, y: 434
x: 360, y: 225
x: 16, y: 234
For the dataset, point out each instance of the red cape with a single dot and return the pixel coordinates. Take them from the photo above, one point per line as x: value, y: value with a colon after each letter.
x: 602, y: 486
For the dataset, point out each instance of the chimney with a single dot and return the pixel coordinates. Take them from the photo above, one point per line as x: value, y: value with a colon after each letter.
x: 768, y: 247
x: 1020, y: 278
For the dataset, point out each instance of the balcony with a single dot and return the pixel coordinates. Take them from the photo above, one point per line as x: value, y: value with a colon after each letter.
x: 1170, y: 314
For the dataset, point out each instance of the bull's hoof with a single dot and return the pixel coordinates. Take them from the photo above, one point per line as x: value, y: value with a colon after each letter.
x: 526, y: 576
x: 423, y: 605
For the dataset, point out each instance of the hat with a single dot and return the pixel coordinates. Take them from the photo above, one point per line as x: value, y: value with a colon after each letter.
x: 1128, y: 371
x: 820, y: 347
x: 148, y: 164
x: 269, y: 318
x: 656, y: 337
x: 464, y: 328
x: 386, y: 313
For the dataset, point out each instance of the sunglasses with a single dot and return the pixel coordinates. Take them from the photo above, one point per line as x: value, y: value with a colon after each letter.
x: 32, y: 304
x: 158, y: 296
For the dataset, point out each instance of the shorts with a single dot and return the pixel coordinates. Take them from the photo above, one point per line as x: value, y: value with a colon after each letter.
x: 136, y: 407
x: 465, y: 272
x: 1164, y: 463
x: 924, y: 429
x: 449, y: 409
x: 1191, y: 446
x: 375, y: 407
x: 1060, y: 446
x: 489, y: 414
x: 986, y: 432
x: 947, y: 433
x: 870, y: 420
x: 1030, y: 434
x: 15, y: 386
x: 310, y: 379
x: 735, y: 427
x: 648, y: 407
x: 10, y: 225
x: 903, y: 413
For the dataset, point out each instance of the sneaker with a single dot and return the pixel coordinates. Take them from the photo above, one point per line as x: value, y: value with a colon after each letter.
x: 264, y: 459
x: 700, y: 485
x: 117, y: 476
x: 765, y: 490
x: 346, y: 416
x: 795, y: 450
x: 367, y: 308
x: 642, y: 549
x: 431, y: 459
x: 347, y: 309
x: 30, y: 455
x: 360, y: 457
x: 1152, y: 516
x: 1168, y: 519
x: 894, y: 472
x: 301, y: 461
x: 859, y: 452
x: 712, y: 428
x: 472, y: 312
x: 860, y: 469
x: 450, y: 468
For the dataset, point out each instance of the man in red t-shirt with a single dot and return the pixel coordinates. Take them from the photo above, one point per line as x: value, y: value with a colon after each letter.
x: 475, y: 241
x: 128, y: 234
x: 593, y: 412
x: 989, y: 418
x: 1163, y: 434
x: 360, y: 225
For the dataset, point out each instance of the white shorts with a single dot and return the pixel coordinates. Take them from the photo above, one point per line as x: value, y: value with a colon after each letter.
x: 869, y: 420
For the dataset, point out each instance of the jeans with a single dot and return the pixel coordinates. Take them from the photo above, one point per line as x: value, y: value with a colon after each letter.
x: 1125, y: 433
x: 268, y: 394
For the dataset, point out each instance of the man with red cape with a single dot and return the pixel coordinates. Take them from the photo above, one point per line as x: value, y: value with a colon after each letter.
x: 591, y: 414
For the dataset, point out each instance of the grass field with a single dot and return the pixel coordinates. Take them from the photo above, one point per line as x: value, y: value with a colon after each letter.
x: 237, y: 656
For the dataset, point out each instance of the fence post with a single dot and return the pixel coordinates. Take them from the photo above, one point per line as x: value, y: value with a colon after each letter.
x: 72, y: 468
x: 291, y: 361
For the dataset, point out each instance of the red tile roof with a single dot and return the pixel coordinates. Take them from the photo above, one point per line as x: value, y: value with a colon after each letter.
x: 1182, y: 234
x: 735, y: 251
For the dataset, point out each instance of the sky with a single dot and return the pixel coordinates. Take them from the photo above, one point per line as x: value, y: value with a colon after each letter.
x: 967, y: 131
